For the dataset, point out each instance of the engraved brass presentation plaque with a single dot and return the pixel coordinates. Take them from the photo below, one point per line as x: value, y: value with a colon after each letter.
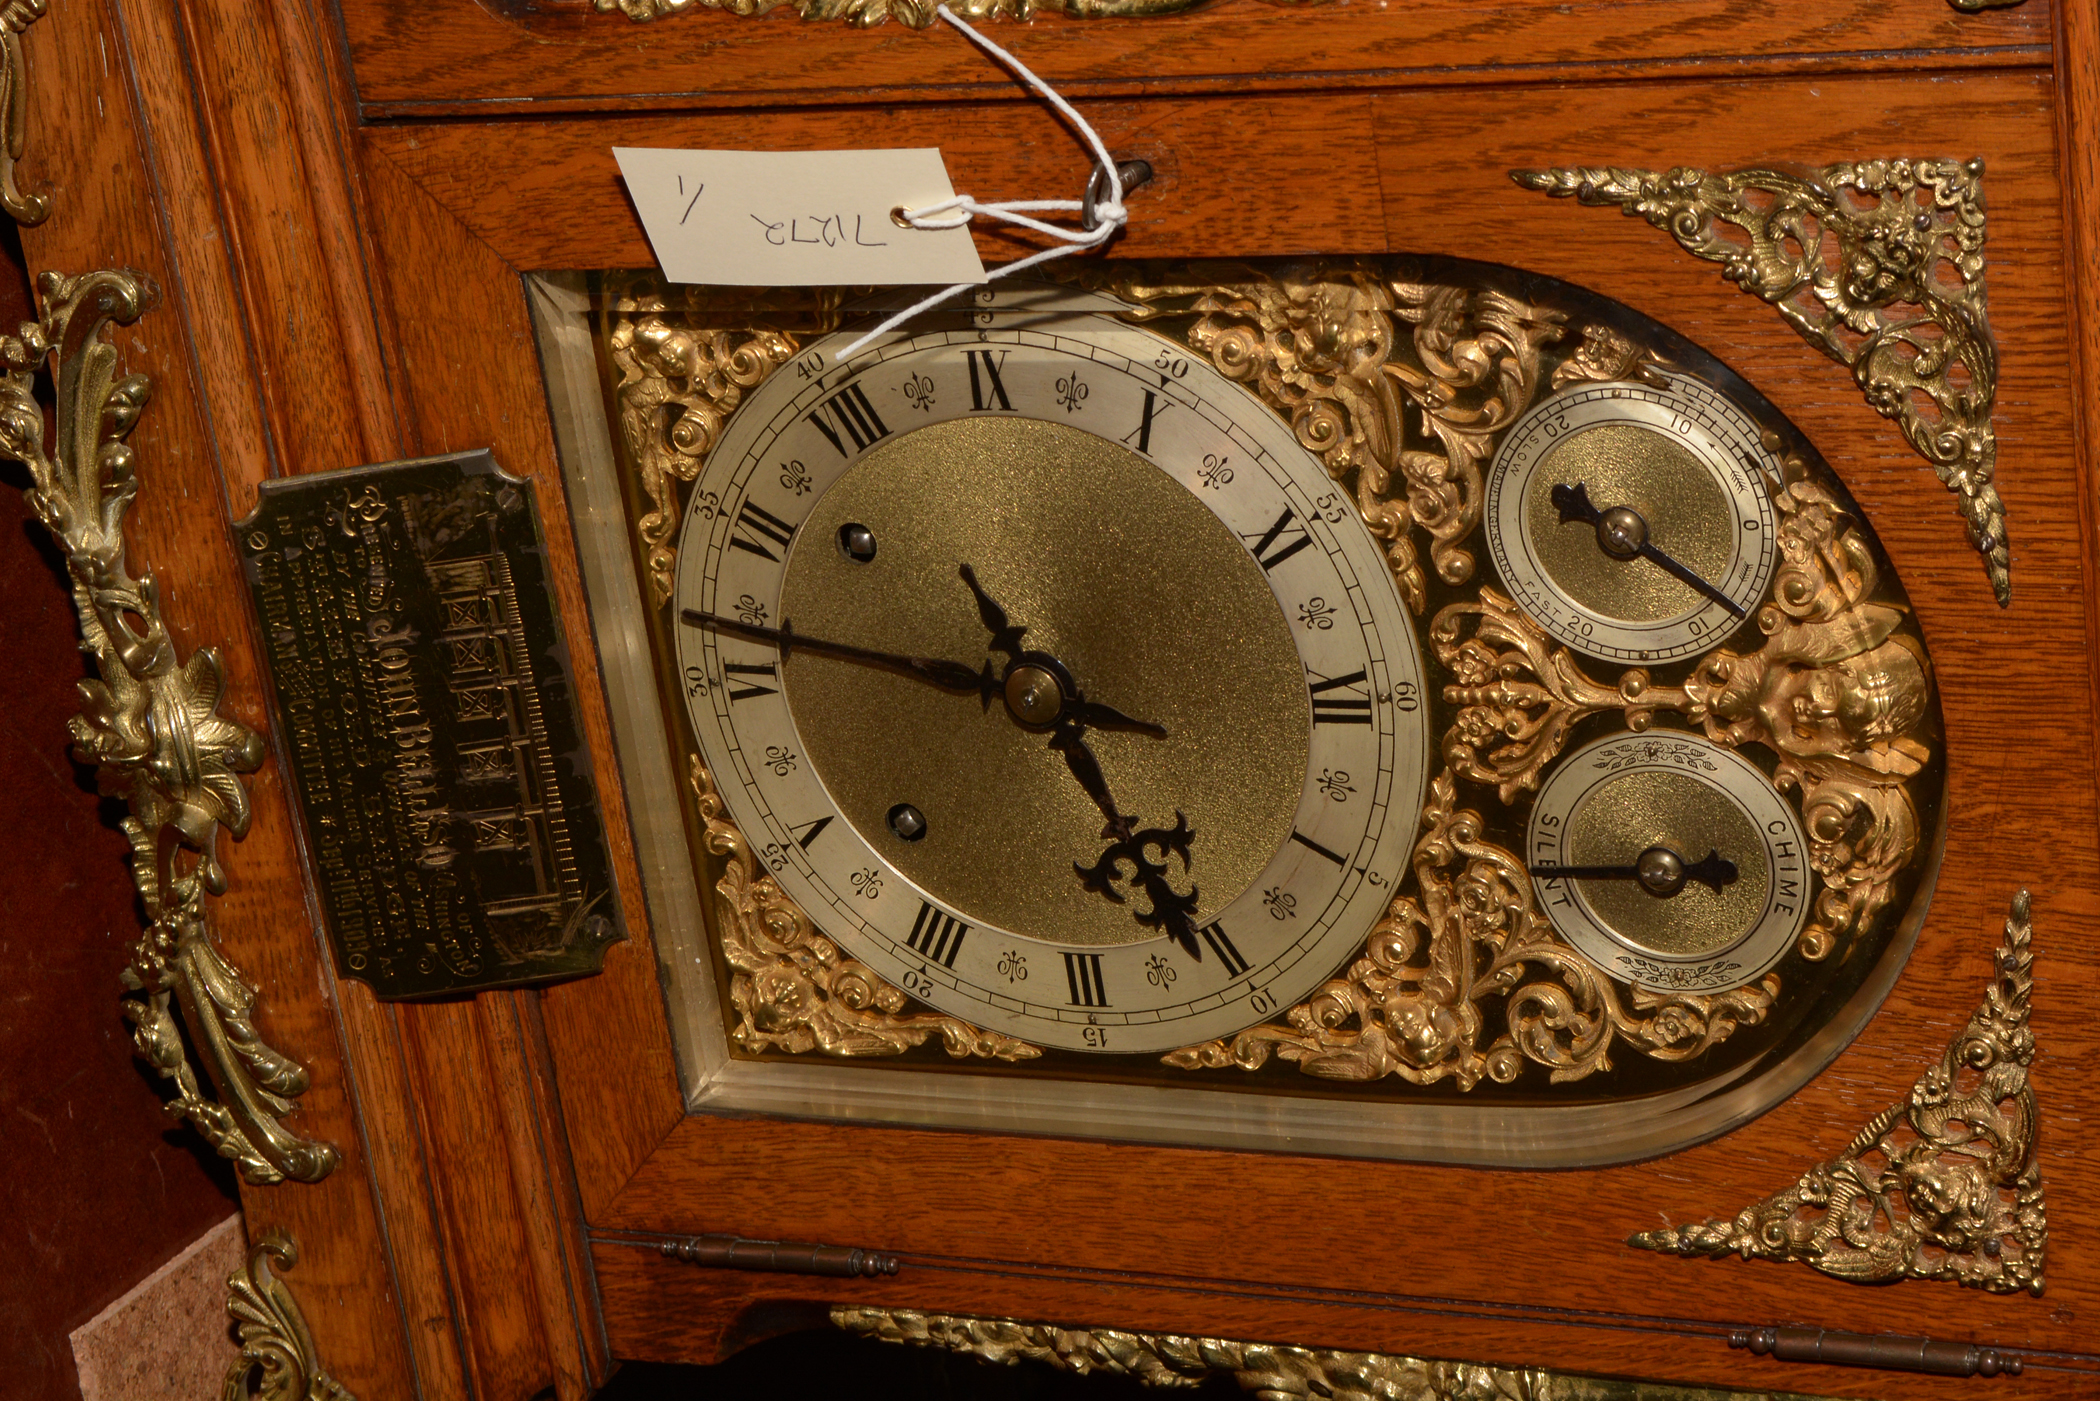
x: 423, y: 692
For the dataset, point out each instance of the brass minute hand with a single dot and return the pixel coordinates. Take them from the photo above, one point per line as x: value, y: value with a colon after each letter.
x: 1622, y: 533
x: 936, y: 671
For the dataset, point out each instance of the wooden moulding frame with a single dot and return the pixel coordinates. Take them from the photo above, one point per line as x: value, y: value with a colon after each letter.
x: 340, y: 293
x: 1315, y: 1246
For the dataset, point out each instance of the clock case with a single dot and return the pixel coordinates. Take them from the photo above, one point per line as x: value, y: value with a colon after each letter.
x: 1535, y: 1058
x: 391, y: 169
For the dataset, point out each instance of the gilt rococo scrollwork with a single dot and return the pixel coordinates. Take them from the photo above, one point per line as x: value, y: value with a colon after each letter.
x: 1945, y: 1185
x: 1877, y: 264
x: 1271, y: 1371
x: 1832, y: 694
x: 795, y: 990
x: 277, y: 1361
x: 1402, y: 387
x: 150, y: 726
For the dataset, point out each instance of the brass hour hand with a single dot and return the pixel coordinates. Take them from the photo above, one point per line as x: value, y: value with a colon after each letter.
x: 936, y: 671
x: 1622, y: 533
x: 1660, y: 871
x: 1005, y: 636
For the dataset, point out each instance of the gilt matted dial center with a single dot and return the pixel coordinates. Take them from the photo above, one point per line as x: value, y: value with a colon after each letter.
x: 1138, y: 592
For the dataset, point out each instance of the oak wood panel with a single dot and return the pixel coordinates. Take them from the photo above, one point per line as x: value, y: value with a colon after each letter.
x: 265, y: 100
x: 499, y: 181
x: 102, y: 77
x: 664, y: 1310
x: 1495, y: 1238
x: 471, y: 376
x: 2078, y: 144
x: 458, y: 57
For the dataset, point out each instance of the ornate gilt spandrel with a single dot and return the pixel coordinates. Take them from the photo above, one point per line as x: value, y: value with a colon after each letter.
x: 1879, y: 265
x: 1943, y: 1185
x: 278, y: 1361
x: 1346, y: 352
x: 795, y: 990
x: 1272, y: 1371
x: 149, y: 723
x: 1402, y: 383
x: 680, y: 361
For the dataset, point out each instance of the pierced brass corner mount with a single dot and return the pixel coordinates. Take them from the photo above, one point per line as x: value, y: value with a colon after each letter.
x: 1945, y: 1185
x: 1879, y: 265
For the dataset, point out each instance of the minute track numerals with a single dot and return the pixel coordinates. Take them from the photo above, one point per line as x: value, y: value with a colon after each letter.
x: 1307, y: 910
x: 1635, y: 522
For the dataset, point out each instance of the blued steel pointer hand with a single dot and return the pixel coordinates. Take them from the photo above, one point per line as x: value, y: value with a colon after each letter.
x: 1660, y: 871
x: 1622, y: 533
x: 949, y: 676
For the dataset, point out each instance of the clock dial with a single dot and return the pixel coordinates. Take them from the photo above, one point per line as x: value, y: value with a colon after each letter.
x: 1670, y: 861
x: 1437, y: 704
x: 1633, y: 519
x: 1059, y: 677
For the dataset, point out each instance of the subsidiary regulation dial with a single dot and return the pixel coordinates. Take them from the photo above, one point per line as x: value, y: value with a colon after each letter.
x: 1633, y: 521
x: 1670, y: 861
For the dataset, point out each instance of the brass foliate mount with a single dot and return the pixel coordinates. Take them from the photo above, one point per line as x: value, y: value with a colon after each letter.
x: 150, y: 726
x: 1879, y: 265
x: 918, y: 14
x: 15, y: 18
x: 278, y: 1361
x: 1271, y: 1371
x: 1945, y: 1185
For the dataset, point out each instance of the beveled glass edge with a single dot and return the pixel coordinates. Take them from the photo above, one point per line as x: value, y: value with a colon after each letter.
x: 1520, y: 1136
x: 598, y: 517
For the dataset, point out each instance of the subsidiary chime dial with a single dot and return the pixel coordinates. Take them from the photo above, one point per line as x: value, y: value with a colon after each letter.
x: 1057, y: 682
x: 1633, y: 519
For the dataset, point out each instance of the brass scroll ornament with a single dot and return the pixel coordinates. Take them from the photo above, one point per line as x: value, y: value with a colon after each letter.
x: 1945, y: 1185
x: 1270, y: 1371
x: 1879, y: 265
x: 277, y: 1361
x: 151, y: 727
x: 15, y: 18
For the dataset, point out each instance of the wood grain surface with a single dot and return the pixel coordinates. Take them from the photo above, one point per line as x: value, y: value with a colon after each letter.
x: 459, y: 57
x: 122, y: 153
x: 1496, y: 1265
x: 343, y: 284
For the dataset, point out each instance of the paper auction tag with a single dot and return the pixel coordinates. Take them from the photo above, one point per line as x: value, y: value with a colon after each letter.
x: 795, y: 218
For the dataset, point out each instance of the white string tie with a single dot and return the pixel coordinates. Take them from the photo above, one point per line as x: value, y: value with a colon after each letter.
x: 954, y: 213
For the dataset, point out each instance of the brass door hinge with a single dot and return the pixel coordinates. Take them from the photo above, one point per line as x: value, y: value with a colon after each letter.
x: 1885, y: 1350
x: 734, y: 1253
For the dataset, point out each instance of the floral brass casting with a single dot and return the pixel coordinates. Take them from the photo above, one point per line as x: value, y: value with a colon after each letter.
x: 1944, y: 1185
x: 1270, y: 1371
x: 1326, y: 351
x: 1348, y: 354
x: 794, y: 990
x: 151, y: 727
x: 277, y: 1361
x: 1879, y: 265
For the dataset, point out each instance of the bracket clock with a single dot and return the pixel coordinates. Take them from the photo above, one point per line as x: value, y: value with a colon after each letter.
x: 1464, y: 760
